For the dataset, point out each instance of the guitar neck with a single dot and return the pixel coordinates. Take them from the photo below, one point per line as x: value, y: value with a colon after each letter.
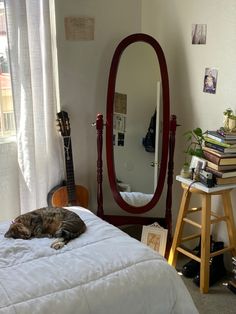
x: 70, y: 180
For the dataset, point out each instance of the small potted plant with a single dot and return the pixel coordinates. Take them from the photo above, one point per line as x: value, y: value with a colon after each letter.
x: 194, y: 140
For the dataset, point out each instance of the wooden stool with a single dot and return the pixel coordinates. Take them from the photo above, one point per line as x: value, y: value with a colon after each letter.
x: 205, y: 226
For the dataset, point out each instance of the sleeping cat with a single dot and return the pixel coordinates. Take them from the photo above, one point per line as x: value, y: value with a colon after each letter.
x: 57, y: 222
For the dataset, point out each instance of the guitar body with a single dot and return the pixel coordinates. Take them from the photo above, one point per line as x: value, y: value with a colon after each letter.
x: 58, y: 197
x: 67, y: 194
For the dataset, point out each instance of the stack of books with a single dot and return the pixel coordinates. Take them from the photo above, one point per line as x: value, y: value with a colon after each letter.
x: 232, y: 282
x: 220, y: 152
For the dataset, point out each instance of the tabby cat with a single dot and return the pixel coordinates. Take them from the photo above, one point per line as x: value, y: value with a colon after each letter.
x: 50, y: 222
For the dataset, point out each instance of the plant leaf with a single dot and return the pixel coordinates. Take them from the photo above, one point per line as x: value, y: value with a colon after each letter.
x: 198, y: 132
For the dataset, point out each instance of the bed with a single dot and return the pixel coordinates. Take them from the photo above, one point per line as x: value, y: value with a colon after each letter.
x: 104, y: 271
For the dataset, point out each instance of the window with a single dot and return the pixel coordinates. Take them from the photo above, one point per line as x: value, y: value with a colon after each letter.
x: 7, y: 121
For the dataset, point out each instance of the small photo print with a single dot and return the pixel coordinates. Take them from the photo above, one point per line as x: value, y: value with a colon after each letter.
x: 199, y: 32
x: 121, y: 139
x: 197, y: 163
x: 119, y: 122
x: 210, y: 80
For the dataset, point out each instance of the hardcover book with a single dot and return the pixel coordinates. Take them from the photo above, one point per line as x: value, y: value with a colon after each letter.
x: 211, y: 140
x: 219, y: 160
x: 222, y: 174
x: 221, y: 147
x: 232, y: 285
x: 220, y: 167
x: 226, y: 180
x: 219, y: 138
x: 218, y: 153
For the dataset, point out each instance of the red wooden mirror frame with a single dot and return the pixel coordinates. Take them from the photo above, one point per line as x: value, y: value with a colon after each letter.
x: 109, y: 121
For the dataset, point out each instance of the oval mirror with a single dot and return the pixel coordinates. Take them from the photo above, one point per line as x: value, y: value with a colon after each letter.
x: 137, y: 123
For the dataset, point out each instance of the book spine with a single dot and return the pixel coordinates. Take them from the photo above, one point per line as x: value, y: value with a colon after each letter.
x: 215, y: 172
x: 215, y: 146
x: 216, y: 138
x: 231, y: 180
x: 208, y: 139
x: 221, y: 139
x: 213, y: 158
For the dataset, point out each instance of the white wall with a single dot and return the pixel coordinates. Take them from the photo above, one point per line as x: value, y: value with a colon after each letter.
x: 83, y: 75
x: 170, y: 22
x: 84, y: 66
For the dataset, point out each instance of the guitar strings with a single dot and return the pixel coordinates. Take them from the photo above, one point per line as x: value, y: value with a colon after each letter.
x: 67, y: 147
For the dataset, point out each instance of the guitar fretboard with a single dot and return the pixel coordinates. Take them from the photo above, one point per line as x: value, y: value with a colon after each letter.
x: 70, y: 180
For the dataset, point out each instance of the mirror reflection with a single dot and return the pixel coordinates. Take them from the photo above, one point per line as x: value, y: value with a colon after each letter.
x: 137, y: 123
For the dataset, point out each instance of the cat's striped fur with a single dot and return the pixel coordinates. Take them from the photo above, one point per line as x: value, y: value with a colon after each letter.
x: 60, y: 223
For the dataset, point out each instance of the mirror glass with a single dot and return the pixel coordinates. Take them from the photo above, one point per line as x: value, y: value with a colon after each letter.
x: 137, y: 123
x: 137, y: 130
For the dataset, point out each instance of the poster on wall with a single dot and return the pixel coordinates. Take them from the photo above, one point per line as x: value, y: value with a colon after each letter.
x: 210, y: 80
x: 199, y: 32
x: 120, y: 103
x: 79, y: 28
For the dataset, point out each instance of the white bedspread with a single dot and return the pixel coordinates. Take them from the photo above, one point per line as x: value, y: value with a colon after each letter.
x: 104, y: 271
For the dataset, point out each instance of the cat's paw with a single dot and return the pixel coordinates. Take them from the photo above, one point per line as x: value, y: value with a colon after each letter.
x: 58, y: 244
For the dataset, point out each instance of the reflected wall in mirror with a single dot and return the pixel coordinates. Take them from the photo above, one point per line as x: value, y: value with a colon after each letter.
x: 137, y: 104
x: 138, y: 86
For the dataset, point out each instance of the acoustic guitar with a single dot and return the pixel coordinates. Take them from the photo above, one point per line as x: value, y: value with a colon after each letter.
x: 67, y: 194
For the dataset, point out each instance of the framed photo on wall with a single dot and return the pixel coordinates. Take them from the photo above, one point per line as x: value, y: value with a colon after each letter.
x: 199, y: 32
x: 155, y: 238
x: 210, y: 80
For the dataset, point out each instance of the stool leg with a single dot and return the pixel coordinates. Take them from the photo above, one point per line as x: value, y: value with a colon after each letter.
x: 230, y: 220
x: 179, y: 227
x: 205, y: 243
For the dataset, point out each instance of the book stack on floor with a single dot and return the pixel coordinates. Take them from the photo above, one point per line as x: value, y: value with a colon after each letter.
x: 232, y: 282
x: 220, y: 152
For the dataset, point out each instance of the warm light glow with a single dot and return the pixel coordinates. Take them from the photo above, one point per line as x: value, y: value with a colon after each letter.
x: 7, y: 119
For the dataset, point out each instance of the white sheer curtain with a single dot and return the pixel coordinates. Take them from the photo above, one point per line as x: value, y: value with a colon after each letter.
x: 31, y: 62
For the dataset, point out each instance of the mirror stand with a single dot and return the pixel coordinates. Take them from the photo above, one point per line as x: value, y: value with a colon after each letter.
x: 119, y: 220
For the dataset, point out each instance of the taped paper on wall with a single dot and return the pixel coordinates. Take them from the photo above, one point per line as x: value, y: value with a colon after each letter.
x: 79, y: 28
